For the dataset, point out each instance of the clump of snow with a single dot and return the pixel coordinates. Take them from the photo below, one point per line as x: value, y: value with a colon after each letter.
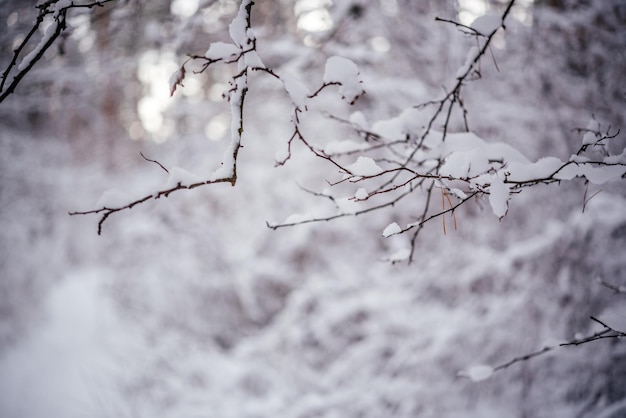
x: 222, y: 51
x: 177, y: 79
x: 298, y: 92
x: 253, y: 60
x: 359, y: 120
x: 361, y: 194
x: 347, y: 205
x: 596, y: 175
x: 346, y: 73
x: 238, y: 27
x: 458, y: 193
x: 468, y: 155
x: 477, y: 373
x: 113, y: 199
x: 616, y: 159
x: 181, y: 176
x: 499, y: 196
x: 409, y: 122
x: 391, y: 229
x: 486, y: 24
x: 589, y: 138
x: 63, y: 4
x: 544, y: 167
x: 364, y: 167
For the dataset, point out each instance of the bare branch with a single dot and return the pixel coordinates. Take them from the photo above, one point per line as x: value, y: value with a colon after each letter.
x: 607, y: 332
x: 106, y: 211
x: 154, y: 161
x: 48, y: 39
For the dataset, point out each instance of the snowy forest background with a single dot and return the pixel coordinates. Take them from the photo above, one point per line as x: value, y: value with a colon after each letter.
x: 190, y: 306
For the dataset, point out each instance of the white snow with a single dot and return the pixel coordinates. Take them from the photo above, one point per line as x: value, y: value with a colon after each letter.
x: 361, y: 194
x: 364, y: 167
x: 486, y: 24
x: 402, y: 254
x: 253, y: 60
x: 391, y: 229
x: 296, y: 218
x: 359, y: 120
x: 315, y: 323
x: 589, y: 138
x: 346, y: 73
x: 238, y: 27
x: 499, y: 196
x: 62, y: 4
x: 544, y: 167
x: 113, y: 198
x: 596, y: 175
x: 347, y: 205
x: 469, y: 61
x: 477, y: 373
x: 298, y: 92
x: 222, y: 51
x: 176, y: 79
x: 409, y: 121
x: 178, y: 175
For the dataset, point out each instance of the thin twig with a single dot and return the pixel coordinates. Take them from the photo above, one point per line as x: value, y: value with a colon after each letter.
x: 154, y: 161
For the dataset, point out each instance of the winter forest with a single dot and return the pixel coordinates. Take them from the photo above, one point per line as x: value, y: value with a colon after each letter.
x: 313, y: 208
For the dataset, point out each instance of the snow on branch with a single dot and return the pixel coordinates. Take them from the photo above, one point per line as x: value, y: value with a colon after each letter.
x: 27, y: 53
x: 415, y: 152
x: 242, y: 53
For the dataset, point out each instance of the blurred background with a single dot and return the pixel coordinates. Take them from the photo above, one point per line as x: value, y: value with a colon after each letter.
x: 191, y: 307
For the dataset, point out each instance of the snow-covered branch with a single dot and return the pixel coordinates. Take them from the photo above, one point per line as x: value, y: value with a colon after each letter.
x: 414, y: 153
x: 410, y: 154
x: 242, y: 53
